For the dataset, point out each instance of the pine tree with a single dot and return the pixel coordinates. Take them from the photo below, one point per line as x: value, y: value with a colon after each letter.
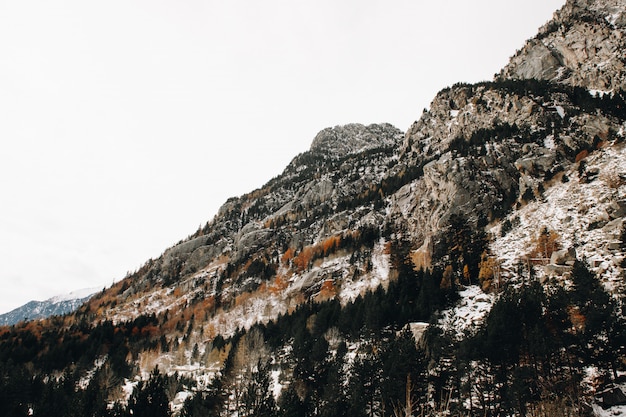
x: 403, y: 372
x: 258, y: 399
x: 150, y: 399
x: 364, y: 388
x: 290, y: 403
x: 333, y: 396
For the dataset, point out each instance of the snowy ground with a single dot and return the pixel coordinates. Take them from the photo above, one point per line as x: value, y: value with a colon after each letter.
x: 469, y: 312
x: 617, y: 411
x: 377, y: 276
x: 579, y: 212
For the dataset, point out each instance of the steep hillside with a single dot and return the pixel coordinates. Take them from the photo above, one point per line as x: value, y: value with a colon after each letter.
x: 318, y: 223
x: 582, y: 46
x: 491, y: 233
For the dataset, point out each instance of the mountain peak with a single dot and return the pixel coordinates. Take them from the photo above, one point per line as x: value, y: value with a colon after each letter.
x: 581, y: 46
x: 352, y: 138
x: 54, y: 306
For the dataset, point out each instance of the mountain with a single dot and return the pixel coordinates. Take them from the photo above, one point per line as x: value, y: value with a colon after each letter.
x: 473, y: 265
x: 55, y: 306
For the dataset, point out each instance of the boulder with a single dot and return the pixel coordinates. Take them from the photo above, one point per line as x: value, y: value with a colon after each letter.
x: 555, y: 270
x: 617, y: 209
x: 612, y: 397
x: 563, y: 257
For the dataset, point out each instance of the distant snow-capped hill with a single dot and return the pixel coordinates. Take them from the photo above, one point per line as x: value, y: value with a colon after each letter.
x: 58, y: 305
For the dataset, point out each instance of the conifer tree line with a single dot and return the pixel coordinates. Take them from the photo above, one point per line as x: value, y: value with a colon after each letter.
x: 529, y: 357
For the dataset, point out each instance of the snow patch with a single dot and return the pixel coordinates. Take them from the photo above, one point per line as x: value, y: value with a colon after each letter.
x: 75, y: 295
x: 277, y: 387
x: 613, y: 18
x: 578, y: 211
x: 179, y: 400
x: 127, y: 388
x: 561, y: 111
x: 469, y: 313
x: 617, y: 411
x: 600, y: 93
x: 379, y: 275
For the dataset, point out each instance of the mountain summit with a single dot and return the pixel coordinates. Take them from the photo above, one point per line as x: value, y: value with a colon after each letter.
x: 582, y: 46
x: 341, y: 141
x: 473, y: 265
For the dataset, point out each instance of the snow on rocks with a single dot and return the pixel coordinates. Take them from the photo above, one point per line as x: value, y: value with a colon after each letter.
x: 469, y: 313
x: 586, y: 212
x: 379, y: 275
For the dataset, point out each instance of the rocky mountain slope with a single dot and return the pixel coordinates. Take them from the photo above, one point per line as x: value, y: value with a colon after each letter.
x: 326, y: 206
x: 581, y: 46
x: 497, y: 187
x: 480, y: 152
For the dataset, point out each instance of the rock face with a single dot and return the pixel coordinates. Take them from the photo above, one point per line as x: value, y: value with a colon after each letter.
x: 339, y: 188
x: 612, y: 397
x: 353, y: 138
x: 563, y: 257
x: 580, y: 46
x: 486, y: 147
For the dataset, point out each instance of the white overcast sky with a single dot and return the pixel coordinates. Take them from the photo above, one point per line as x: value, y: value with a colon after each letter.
x: 125, y: 124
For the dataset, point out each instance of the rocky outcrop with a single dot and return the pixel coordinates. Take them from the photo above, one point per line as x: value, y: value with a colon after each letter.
x: 488, y: 146
x: 611, y: 397
x: 485, y: 148
x: 563, y: 257
x: 333, y: 189
x: 580, y: 46
x: 339, y: 141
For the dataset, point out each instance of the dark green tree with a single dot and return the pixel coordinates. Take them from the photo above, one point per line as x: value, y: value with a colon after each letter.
x: 333, y: 401
x: 291, y: 405
x: 258, y: 399
x: 403, y: 373
x: 602, y: 338
x: 149, y: 399
x: 364, y: 387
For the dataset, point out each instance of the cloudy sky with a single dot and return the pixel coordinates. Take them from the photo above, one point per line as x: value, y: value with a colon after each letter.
x: 125, y: 124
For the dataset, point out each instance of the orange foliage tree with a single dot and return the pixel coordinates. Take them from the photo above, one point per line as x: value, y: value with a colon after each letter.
x: 287, y: 256
x: 302, y: 260
x: 328, y: 290
x: 279, y: 285
x: 545, y: 243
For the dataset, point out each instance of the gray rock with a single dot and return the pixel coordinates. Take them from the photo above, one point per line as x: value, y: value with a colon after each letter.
x: 614, y: 246
x: 618, y: 209
x: 541, y: 63
x: 556, y: 270
x: 570, y: 50
x: 340, y: 141
x: 563, y: 257
x: 612, y: 397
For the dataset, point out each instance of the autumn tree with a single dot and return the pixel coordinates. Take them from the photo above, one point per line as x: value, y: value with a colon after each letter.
x: 546, y: 242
